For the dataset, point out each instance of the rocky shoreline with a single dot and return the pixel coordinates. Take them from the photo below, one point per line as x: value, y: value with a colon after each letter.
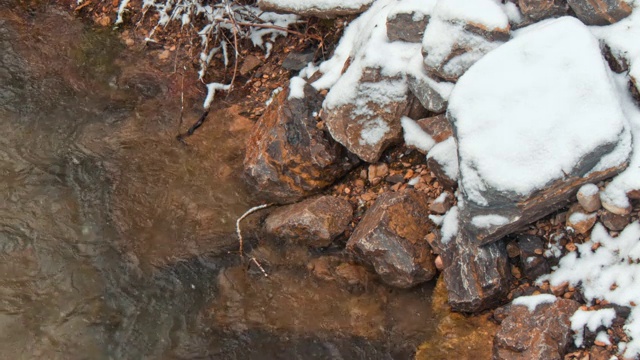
x: 367, y: 165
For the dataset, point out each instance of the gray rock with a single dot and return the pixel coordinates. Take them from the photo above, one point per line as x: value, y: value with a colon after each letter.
x: 544, y: 333
x: 477, y: 277
x: 315, y: 222
x: 297, y: 61
x: 429, y: 92
x: 287, y: 156
x: 532, y: 260
x: 438, y: 127
x: 391, y: 236
x: 407, y: 27
x: 600, y: 12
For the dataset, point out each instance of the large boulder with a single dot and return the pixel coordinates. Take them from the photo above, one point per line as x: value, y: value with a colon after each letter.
x: 288, y: 157
x: 535, y: 120
x: 600, y: 12
x: 535, y: 327
x: 391, y: 236
x: 315, y: 222
x: 460, y: 32
x: 322, y: 9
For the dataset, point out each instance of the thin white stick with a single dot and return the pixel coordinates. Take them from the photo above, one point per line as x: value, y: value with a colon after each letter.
x: 247, y: 213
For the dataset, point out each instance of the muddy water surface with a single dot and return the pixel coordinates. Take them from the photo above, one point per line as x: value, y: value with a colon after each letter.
x: 115, y: 238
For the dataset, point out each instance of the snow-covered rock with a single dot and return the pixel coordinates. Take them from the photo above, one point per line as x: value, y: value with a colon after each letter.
x: 536, y: 10
x: 442, y: 160
x: 535, y: 119
x: 460, y: 32
x: 408, y: 19
x: 319, y: 8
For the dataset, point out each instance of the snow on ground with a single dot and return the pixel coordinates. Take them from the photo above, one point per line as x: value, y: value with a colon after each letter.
x: 528, y: 112
x: 532, y: 302
x: 322, y: 5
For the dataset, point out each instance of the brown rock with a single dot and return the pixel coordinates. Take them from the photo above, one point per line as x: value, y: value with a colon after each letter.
x: 249, y: 64
x: 589, y: 198
x: 439, y: 264
x: 315, y: 222
x: 351, y: 274
x: 442, y: 204
x: 544, y: 333
x: 407, y: 27
x: 391, y: 236
x: 287, y: 156
x: 537, y: 10
x: 438, y: 127
x: 377, y: 171
x: 600, y: 12
x: 317, y: 11
x: 580, y: 220
x: 370, y: 126
x: 615, y: 208
x: 613, y: 221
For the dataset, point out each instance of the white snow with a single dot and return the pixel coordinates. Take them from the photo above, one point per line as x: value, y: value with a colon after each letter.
x: 611, y: 273
x: 487, y: 221
x: 211, y: 92
x: 532, y: 302
x: 578, y: 217
x: 446, y: 154
x: 414, y: 181
x: 373, y: 131
x: 296, y: 88
x: 415, y: 136
x: 587, y: 190
x: 532, y: 109
x: 481, y: 12
x: 437, y: 219
x: 321, y: 5
x: 449, y: 225
x: 420, y: 8
x: 603, y: 337
x: 591, y: 320
x: 441, y: 198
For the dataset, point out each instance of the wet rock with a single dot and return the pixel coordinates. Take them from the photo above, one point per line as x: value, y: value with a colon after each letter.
x: 315, y: 222
x: 391, y: 236
x: 544, y: 333
x: 287, y: 156
x: 370, y: 126
x: 442, y: 160
x: 580, y: 220
x: 600, y: 12
x: 407, y: 27
x: 497, y: 205
x: 532, y: 260
x: 537, y: 10
x: 448, y: 58
x: 432, y: 94
x: 310, y: 9
x: 477, y: 277
x: 438, y: 127
x: 297, y: 61
x: 589, y: 198
x: 613, y: 221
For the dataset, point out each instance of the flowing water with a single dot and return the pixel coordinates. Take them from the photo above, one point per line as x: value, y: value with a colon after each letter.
x: 114, y: 236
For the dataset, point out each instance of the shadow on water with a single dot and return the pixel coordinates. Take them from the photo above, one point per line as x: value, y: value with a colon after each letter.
x: 114, y: 236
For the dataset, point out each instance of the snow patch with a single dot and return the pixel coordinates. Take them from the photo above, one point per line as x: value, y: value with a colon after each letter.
x: 415, y: 136
x: 296, y: 88
x: 532, y: 302
x: 487, y: 221
x: 446, y: 154
x: 450, y: 225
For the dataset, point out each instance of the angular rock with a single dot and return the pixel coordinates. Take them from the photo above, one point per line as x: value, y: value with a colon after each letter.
x: 589, y: 198
x: 544, y: 333
x: 432, y: 94
x: 477, y: 277
x: 537, y: 10
x: 249, y: 64
x: 315, y: 222
x: 370, y: 126
x: 296, y: 61
x: 469, y: 36
x: 532, y: 260
x: 442, y: 160
x: 391, y: 236
x: 407, y: 27
x: 287, y: 156
x: 580, y: 220
x: 613, y: 221
x: 502, y: 121
x: 442, y: 203
x: 438, y: 127
x: 317, y: 9
x: 600, y: 12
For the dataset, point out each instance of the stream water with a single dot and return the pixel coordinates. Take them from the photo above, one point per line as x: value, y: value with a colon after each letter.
x: 114, y: 236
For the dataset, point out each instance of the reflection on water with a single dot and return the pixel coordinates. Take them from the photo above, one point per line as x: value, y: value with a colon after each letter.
x: 114, y: 236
